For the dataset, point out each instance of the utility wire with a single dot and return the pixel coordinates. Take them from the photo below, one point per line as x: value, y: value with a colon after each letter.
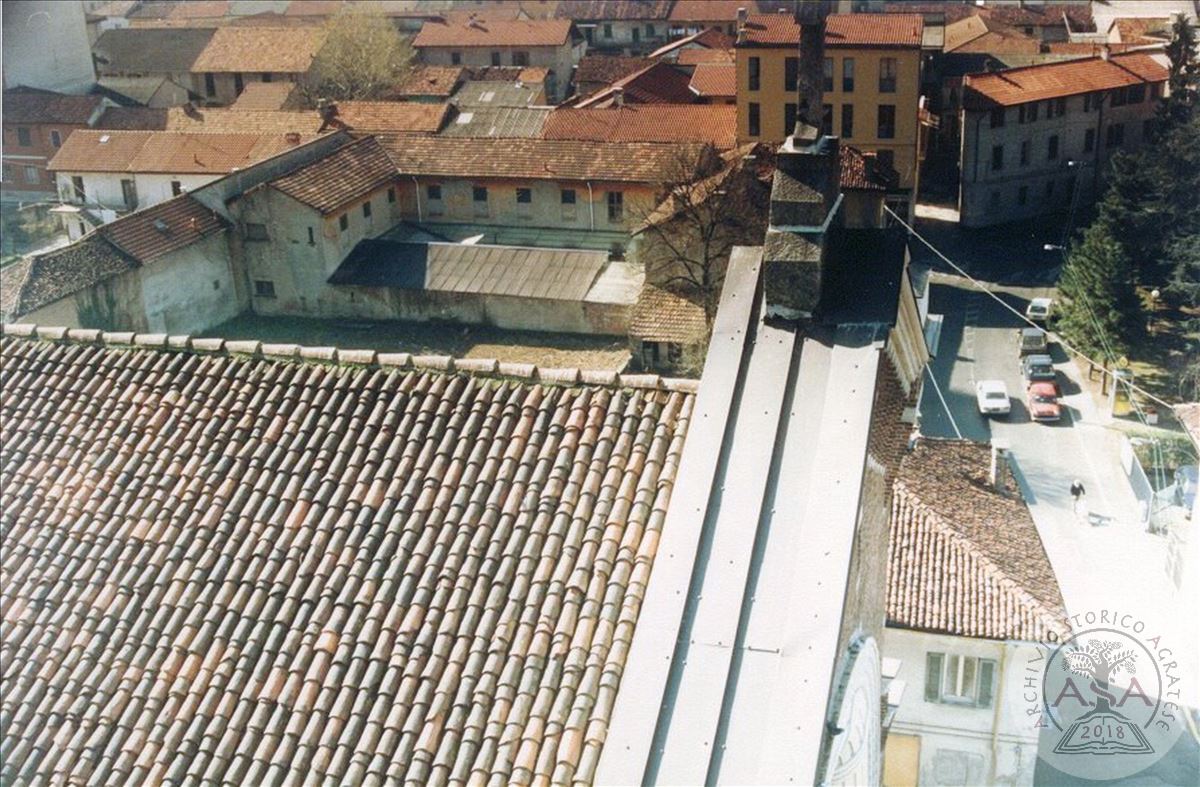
x: 984, y: 287
x: 945, y: 406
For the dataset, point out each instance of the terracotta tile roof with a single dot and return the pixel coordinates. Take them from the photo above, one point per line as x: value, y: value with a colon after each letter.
x: 40, y: 280
x: 1052, y: 80
x: 392, y: 116
x: 963, y: 559
x: 343, y: 177
x: 1189, y: 416
x: 711, y: 38
x: 149, y: 50
x: 950, y: 10
x: 494, y: 32
x: 280, y: 50
x: 523, y: 74
x: 841, y: 30
x: 482, y: 121
x: 437, y: 81
x: 975, y: 34
x: 1148, y: 30
x: 614, y: 10
x: 265, y: 96
x: 532, y: 159
x: 114, y: 8
x: 1085, y: 48
x: 265, y: 571
x: 1044, y: 15
x: 712, y: 123
x: 594, y: 69
x: 170, y: 152
x: 314, y: 7
x: 697, y: 57
x: 200, y: 9
x: 148, y: 234
x: 857, y: 174
x: 714, y: 80
x: 696, y: 11
x: 132, y: 119
x: 43, y: 106
x: 888, y: 30
x: 664, y: 316
x: 237, y: 121
x: 657, y: 83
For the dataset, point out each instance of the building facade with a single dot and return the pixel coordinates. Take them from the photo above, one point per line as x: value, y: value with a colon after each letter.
x: 628, y: 27
x: 871, y: 83
x: 237, y: 56
x: 1035, y: 140
x: 36, y: 124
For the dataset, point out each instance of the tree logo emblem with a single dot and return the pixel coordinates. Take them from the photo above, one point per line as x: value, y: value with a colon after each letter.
x: 1107, y: 703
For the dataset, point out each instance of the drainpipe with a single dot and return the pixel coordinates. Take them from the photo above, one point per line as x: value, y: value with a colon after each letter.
x: 417, y: 193
x: 591, y: 208
x: 996, y: 695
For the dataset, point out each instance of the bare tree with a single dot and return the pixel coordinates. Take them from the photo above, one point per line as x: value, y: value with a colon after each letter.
x: 710, y: 203
x: 363, y: 56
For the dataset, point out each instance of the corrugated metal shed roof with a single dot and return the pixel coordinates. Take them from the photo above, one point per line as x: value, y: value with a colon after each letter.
x: 555, y: 274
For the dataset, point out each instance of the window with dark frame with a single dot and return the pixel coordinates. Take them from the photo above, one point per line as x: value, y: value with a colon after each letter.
x: 265, y: 76
x: 391, y: 194
x: 608, y: 31
x: 887, y: 75
x: 997, y: 117
x: 495, y: 58
x: 210, y: 85
x: 616, y: 206
x: 366, y: 209
x: 239, y: 84
x: 456, y: 58
x: 1089, y: 140
x: 753, y: 73
x: 256, y: 231
x: 524, y: 196
x: 827, y: 119
x: 847, y: 75
x: 887, y: 121
x: 55, y: 138
x: 827, y: 75
x: 478, y: 193
x: 754, y: 119
x: 520, y: 59
x: 264, y: 288
x: 344, y: 222
x: 1025, y: 153
x: 847, y: 121
x: 312, y: 236
x: 434, y: 192
x: 24, y: 138
x: 997, y: 157
x: 567, y: 196
x: 790, y: 111
x: 1052, y: 147
x: 176, y: 188
x: 1115, y: 135
x: 791, y: 73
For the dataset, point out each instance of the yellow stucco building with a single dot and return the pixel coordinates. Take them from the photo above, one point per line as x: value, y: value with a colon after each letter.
x: 872, y: 77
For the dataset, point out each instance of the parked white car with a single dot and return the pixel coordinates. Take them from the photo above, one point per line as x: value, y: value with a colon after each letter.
x: 1038, y: 310
x: 992, y: 397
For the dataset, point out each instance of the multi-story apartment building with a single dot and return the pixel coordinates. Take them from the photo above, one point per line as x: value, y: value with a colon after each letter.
x: 1035, y: 139
x: 36, y: 124
x: 553, y: 44
x: 872, y: 78
x: 630, y: 27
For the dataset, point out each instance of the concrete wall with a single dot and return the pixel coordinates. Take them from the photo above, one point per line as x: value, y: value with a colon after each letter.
x: 104, y: 188
x: 992, y: 196
x: 959, y: 745
x: 629, y: 36
x: 545, y: 209
x: 772, y: 98
x: 45, y: 45
x: 560, y: 60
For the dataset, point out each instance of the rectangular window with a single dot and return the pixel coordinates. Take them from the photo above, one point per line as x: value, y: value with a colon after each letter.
x: 789, y: 118
x: 847, y: 75
x: 997, y: 157
x: 343, y: 222
x: 1060, y: 107
x: 791, y: 73
x: 366, y: 209
x: 959, y: 680
x: 495, y: 58
x: 636, y: 35
x: 1022, y: 195
x: 650, y: 31
x: 1052, y: 147
x: 1033, y: 111
x: 827, y: 119
x: 479, y: 198
x: 887, y: 75
x: 1089, y: 140
x: 616, y: 206
x: 1115, y: 135
x: 24, y: 139
x: 312, y: 237
x: 456, y: 58
x: 77, y: 185
x: 256, y: 231
x: 1118, y: 97
x: 997, y: 117
x: 434, y: 192
x: 391, y: 195
x: 176, y: 188
x: 55, y: 138
x: 1137, y: 93
x: 210, y: 85
x: 238, y: 84
x: 847, y: 121
x: 754, y: 73
x: 264, y: 288
x: 567, y: 196
x: 608, y: 31
x: 265, y: 76
x: 33, y: 176
x: 129, y: 193
x: 520, y: 59
x: 524, y: 196
x: 887, y: 121
x: 1089, y: 102
x: 755, y: 127
x: 1025, y: 153
x: 827, y: 75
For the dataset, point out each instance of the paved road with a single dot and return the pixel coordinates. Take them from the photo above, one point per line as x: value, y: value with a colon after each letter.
x: 1118, y: 565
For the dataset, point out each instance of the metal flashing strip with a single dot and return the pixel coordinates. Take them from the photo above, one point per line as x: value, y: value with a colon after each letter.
x: 628, y: 747
x: 811, y: 229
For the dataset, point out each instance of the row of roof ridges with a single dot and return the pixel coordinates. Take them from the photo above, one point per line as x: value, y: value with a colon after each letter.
x: 401, y: 361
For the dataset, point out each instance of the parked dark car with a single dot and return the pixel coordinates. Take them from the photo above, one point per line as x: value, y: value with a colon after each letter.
x: 1038, y: 368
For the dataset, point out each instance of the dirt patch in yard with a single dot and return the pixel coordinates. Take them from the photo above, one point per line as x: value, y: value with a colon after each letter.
x: 420, y: 338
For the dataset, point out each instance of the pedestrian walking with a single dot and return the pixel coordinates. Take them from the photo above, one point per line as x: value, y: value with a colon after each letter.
x: 1077, y: 493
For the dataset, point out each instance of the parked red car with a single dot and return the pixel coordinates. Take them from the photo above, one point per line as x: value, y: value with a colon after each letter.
x: 1042, y: 399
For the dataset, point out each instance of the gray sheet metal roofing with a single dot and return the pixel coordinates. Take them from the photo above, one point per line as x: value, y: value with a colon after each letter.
x: 236, y: 569
x: 558, y: 274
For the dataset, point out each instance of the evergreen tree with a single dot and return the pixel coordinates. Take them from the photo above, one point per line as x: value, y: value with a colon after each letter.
x: 1135, y: 202
x: 1183, y: 80
x: 1100, y: 311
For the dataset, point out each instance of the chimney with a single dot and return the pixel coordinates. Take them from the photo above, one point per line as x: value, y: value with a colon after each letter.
x: 742, y: 16
x: 292, y: 137
x: 1105, y: 52
x: 618, y: 96
x: 998, y: 475
x: 810, y: 85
